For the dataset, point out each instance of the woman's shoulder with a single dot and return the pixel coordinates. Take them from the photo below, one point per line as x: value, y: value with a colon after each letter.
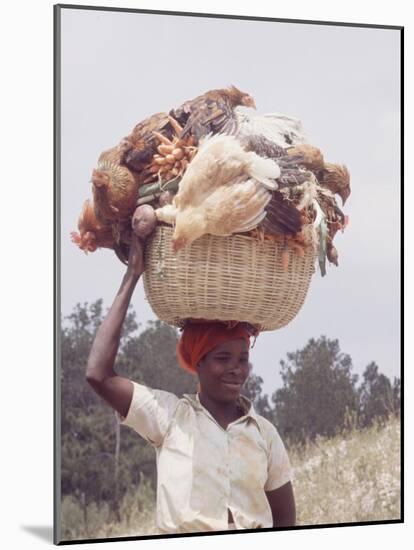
x: 142, y: 393
x: 267, y: 427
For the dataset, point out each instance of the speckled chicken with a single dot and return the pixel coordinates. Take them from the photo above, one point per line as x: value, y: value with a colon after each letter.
x: 114, y: 187
x: 282, y: 216
x: 306, y: 194
x: 211, y: 112
x: 311, y: 156
x: 336, y: 178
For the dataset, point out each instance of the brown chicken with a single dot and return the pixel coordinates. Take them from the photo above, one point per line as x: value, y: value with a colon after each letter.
x: 312, y: 158
x: 92, y: 233
x: 211, y: 112
x: 333, y: 176
x: 336, y: 178
x: 141, y: 144
x: 114, y: 187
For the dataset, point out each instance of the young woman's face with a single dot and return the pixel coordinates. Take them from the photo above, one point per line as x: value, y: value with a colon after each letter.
x: 223, y: 371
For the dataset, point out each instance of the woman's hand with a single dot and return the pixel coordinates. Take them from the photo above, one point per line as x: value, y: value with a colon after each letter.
x: 136, y: 265
x: 143, y: 224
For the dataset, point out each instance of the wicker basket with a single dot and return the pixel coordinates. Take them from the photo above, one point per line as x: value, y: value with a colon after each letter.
x: 225, y: 278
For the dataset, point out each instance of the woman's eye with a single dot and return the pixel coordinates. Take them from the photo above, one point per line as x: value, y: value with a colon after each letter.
x: 243, y: 361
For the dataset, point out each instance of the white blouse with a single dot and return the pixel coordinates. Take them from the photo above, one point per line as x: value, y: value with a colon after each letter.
x: 204, y: 469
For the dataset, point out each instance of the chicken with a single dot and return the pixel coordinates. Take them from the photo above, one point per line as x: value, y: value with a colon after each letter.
x: 279, y: 129
x: 212, y: 112
x: 304, y: 179
x: 282, y: 217
x: 269, y: 136
x: 335, y: 220
x: 261, y: 145
x: 312, y: 158
x: 153, y: 149
x: 140, y: 145
x: 235, y: 208
x: 223, y: 191
x: 219, y: 160
x: 92, y: 233
x: 333, y: 176
x: 336, y: 178
x: 339, y: 222
x: 114, y: 187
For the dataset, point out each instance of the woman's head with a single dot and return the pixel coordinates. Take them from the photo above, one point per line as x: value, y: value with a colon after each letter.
x: 223, y: 371
x: 218, y: 354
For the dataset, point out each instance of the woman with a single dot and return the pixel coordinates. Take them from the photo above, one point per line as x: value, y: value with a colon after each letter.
x: 220, y: 465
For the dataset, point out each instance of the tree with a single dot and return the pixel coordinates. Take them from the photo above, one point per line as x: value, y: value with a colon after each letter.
x: 396, y: 395
x: 150, y: 359
x: 318, y: 391
x: 89, y: 437
x: 99, y: 461
x: 252, y: 389
x: 378, y: 398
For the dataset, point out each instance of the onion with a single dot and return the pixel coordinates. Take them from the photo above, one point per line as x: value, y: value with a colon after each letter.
x: 144, y: 221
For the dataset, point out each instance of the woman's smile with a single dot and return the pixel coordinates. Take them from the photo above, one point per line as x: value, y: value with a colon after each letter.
x: 223, y: 371
x: 232, y: 388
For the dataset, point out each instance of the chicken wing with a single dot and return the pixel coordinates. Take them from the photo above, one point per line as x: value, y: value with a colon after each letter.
x: 212, y: 112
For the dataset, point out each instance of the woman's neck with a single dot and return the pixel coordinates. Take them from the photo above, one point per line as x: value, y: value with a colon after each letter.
x: 223, y: 413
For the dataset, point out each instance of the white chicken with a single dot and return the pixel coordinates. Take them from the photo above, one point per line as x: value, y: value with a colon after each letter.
x: 224, y: 190
x: 282, y: 130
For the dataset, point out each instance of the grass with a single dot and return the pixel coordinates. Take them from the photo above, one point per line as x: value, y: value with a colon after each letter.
x: 354, y: 477
x: 351, y: 478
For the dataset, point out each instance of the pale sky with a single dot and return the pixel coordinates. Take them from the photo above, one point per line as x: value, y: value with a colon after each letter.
x: 341, y: 82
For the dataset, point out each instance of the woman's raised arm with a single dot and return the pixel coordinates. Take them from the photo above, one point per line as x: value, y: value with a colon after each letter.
x: 100, y: 374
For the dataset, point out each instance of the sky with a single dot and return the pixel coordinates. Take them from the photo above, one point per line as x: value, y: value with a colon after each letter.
x: 341, y: 82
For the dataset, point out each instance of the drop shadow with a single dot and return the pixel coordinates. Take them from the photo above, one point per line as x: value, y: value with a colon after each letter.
x: 44, y: 532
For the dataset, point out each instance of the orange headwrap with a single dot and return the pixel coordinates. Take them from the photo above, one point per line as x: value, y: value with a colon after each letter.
x: 197, y: 339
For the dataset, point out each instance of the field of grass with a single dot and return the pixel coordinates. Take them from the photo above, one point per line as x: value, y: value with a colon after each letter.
x: 350, y: 478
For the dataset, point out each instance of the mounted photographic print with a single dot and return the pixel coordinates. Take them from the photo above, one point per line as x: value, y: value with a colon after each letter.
x: 228, y: 262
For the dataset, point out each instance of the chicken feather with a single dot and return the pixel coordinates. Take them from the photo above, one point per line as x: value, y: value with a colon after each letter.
x: 277, y: 128
x: 224, y: 190
x: 212, y: 111
x: 235, y: 208
x: 219, y: 160
x: 245, y: 203
x: 281, y: 216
